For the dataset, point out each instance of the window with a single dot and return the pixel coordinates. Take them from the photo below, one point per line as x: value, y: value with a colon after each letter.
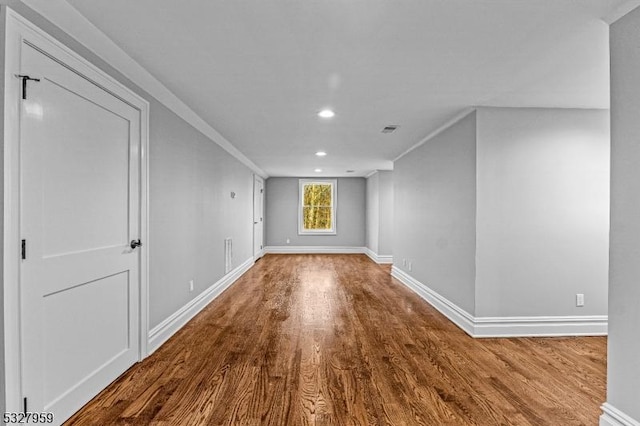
x: 317, y: 207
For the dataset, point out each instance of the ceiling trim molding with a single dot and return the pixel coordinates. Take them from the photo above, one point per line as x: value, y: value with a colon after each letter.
x: 444, y: 126
x: 371, y: 173
x: 72, y: 22
x: 620, y: 11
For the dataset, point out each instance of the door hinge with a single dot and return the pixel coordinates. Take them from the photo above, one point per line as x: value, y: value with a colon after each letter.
x: 26, y: 78
x: 260, y: 246
x: 25, y: 405
x: 261, y: 190
x: 24, y: 249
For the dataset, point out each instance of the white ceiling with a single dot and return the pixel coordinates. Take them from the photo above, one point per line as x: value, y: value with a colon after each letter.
x: 258, y: 71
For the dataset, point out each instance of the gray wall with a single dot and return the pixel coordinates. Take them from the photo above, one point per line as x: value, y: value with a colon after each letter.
x: 542, y: 211
x: 435, y: 211
x: 385, y: 196
x: 623, y: 375
x: 192, y: 212
x: 506, y: 213
x: 2, y: 348
x: 373, y: 212
x: 282, y: 214
x: 379, y: 224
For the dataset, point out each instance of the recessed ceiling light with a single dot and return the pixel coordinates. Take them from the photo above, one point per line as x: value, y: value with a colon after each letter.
x: 326, y: 113
x: 321, y: 153
x: 317, y: 170
x: 350, y: 171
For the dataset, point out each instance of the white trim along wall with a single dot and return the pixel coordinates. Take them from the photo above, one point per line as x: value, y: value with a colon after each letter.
x: 378, y: 258
x: 534, y: 326
x: 611, y: 416
x: 328, y: 250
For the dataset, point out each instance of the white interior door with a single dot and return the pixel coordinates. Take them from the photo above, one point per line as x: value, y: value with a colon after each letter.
x: 258, y: 222
x: 80, y: 209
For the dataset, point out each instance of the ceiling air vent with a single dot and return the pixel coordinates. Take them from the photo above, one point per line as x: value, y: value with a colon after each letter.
x: 390, y: 129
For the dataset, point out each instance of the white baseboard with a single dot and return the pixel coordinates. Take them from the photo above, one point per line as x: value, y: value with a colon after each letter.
x: 378, y: 258
x: 259, y: 255
x: 537, y: 326
x: 313, y: 250
x: 541, y: 326
x: 459, y: 316
x: 611, y: 416
x: 167, y: 328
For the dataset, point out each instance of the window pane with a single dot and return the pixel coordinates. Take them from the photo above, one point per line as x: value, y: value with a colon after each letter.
x: 317, y: 194
x: 316, y: 218
x: 308, y: 194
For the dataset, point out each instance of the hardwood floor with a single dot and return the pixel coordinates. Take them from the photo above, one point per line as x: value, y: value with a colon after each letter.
x: 333, y: 339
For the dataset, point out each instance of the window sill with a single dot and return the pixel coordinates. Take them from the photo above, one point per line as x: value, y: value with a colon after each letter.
x: 317, y: 233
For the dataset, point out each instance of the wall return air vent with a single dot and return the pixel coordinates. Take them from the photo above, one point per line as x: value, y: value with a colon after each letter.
x: 390, y: 129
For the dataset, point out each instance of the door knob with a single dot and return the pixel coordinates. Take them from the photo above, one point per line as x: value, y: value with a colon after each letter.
x: 135, y: 243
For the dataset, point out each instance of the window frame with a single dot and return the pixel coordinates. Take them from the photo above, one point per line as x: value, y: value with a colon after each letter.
x: 334, y: 206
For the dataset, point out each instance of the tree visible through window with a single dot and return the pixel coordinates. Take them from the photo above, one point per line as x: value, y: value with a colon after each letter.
x: 317, y: 209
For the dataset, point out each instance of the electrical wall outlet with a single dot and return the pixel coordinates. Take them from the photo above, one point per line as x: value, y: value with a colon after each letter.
x: 404, y: 262
x: 190, y: 285
x: 288, y: 241
x: 409, y: 266
x: 579, y: 299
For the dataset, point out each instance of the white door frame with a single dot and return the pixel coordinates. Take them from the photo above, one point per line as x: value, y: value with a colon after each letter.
x: 17, y: 31
x: 261, y: 252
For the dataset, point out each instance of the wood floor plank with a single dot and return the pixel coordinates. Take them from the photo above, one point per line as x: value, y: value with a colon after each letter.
x: 335, y: 340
